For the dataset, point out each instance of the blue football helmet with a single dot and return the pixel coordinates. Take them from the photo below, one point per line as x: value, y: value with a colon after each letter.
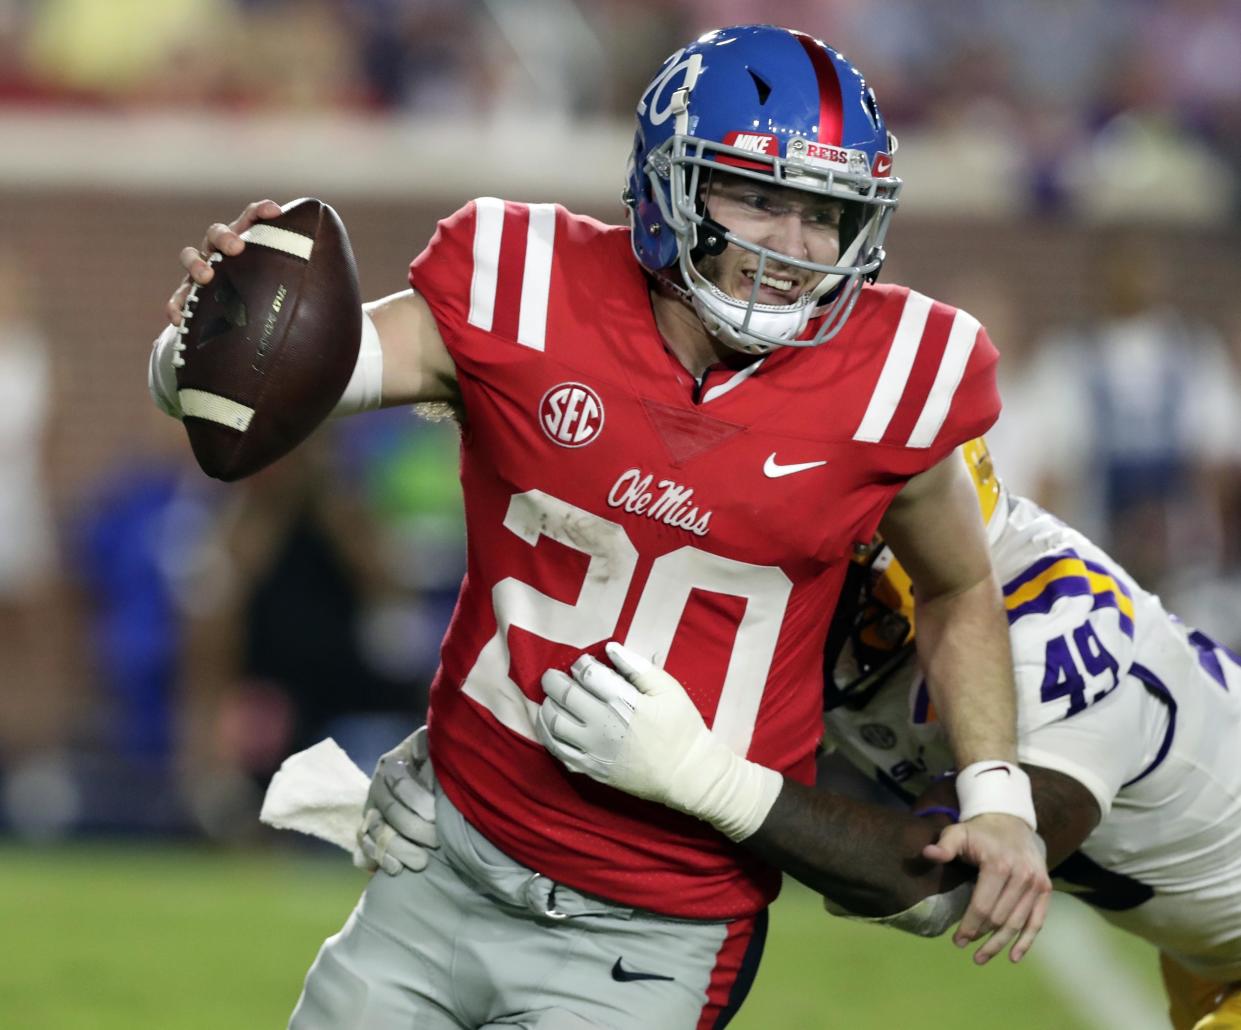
x: 781, y: 107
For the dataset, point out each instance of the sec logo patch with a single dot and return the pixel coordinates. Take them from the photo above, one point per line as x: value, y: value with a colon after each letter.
x: 571, y: 414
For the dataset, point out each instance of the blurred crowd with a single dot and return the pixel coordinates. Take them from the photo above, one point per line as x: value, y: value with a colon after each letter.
x: 165, y: 641
x: 1154, y: 83
x: 216, y: 629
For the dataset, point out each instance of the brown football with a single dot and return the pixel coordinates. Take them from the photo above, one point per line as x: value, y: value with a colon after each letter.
x: 270, y: 342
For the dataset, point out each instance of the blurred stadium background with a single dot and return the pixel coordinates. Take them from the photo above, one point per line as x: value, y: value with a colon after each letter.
x: 1072, y: 171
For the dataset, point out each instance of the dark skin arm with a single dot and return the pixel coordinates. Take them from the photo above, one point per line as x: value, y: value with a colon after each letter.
x: 864, y: 857
x: 869, y: 859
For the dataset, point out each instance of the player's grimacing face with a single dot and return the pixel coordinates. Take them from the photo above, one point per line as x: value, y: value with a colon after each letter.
x: 782, y: 219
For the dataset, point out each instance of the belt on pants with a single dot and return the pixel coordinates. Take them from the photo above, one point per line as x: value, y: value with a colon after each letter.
x: 491, y: 872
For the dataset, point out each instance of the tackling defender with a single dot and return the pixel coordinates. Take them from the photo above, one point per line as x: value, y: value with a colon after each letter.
x: 684, y: 450
x: 1126, y: 720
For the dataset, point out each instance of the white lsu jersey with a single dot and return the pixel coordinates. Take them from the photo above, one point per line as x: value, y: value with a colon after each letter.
x: 1118, y: 694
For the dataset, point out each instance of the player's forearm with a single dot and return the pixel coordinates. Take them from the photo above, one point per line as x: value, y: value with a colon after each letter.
x: 963, y: 647
x: 415, y: 365
x: 864, y: 857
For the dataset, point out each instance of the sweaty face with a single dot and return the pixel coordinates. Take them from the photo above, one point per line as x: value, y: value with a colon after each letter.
x: 787, y: 221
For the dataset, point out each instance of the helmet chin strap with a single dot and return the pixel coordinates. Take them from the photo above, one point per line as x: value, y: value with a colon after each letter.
x: 713, y: 322
x: 723, y: 316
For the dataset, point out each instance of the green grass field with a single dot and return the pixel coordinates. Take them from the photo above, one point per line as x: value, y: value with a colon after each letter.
x: 106, y: 937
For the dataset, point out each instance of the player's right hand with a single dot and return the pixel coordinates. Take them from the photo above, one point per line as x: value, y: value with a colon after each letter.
x: 398, y: 823
x: 219, y: 238
x: 635, y: 728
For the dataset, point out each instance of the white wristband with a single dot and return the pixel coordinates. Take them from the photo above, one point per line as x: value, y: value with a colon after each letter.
x: 986, y: 787
x: 364, y: 390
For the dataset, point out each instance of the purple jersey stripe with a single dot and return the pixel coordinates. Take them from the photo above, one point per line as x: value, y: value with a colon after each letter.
x: 1071, y: 586
x: 1109, y: 600
x: 1037, y: 569
x: 1065, y: 586
x: 1209, y: 656
x: 922, y: 704
x: 1103, y: 570
x: 1156, y: 686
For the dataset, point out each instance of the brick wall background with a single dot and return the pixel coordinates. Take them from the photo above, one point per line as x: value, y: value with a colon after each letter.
x: 101, y: 264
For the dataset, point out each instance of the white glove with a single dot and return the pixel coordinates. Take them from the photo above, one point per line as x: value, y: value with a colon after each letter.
x: 928, y: 918
x: 639, y: 732
x: 398, y: 823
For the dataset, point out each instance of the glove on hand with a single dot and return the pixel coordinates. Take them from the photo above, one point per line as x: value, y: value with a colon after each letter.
x: 637, y: 730
x: 398, y: 823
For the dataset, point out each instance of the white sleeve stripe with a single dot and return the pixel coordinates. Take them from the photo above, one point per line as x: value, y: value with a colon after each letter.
x: 537, y: 277
x: 488, y: 230
x: 948, y: 377
x: 896, y: 369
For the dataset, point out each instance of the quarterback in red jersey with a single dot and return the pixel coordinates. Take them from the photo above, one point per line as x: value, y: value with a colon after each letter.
x: 681, y: 453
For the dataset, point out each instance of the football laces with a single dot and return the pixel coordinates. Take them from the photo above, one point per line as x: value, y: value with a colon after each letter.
x: 187, y: 312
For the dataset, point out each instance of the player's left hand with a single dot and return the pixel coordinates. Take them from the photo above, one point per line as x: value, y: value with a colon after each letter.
x: 398, y: 823
x: 1013, y: 891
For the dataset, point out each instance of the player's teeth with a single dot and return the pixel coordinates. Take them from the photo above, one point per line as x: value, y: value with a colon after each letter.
x: 779, y: 284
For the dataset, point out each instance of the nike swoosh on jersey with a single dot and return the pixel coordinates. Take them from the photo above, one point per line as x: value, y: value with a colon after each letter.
x: 772, y: 470
x: 623, y: 975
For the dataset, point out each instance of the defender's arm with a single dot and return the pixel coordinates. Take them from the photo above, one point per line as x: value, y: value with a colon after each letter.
x: 868, y: 860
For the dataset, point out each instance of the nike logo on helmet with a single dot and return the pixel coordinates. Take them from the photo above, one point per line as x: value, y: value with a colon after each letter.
x: 623, y: 975
x: 774, y: 470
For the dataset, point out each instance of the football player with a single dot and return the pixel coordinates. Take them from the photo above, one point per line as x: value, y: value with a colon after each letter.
x: 682, y: 450
x: 1126, y: 719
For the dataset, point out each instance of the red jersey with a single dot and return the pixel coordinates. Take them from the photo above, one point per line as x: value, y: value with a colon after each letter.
x: 608, y: 496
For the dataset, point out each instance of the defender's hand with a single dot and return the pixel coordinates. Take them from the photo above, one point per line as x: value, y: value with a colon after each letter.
x: 637, y: 730
x: 1013, y: 891
x: 398, y: 823
x: 221, y: 238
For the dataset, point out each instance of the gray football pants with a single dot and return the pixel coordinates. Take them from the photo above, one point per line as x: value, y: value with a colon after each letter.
x: 478, y: 941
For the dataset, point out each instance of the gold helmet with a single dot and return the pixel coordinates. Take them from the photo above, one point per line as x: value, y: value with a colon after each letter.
x: 876, y: 609
x: 982, y: 471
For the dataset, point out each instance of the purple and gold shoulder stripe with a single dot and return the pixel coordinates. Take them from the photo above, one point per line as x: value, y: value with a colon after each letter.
x: 1067, y: 574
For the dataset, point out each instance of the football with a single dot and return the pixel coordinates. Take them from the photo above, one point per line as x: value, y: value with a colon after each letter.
x: 270, y: 342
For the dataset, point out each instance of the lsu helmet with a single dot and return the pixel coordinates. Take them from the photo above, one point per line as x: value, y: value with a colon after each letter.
x: 780, y: 107
x: 877, y: 614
